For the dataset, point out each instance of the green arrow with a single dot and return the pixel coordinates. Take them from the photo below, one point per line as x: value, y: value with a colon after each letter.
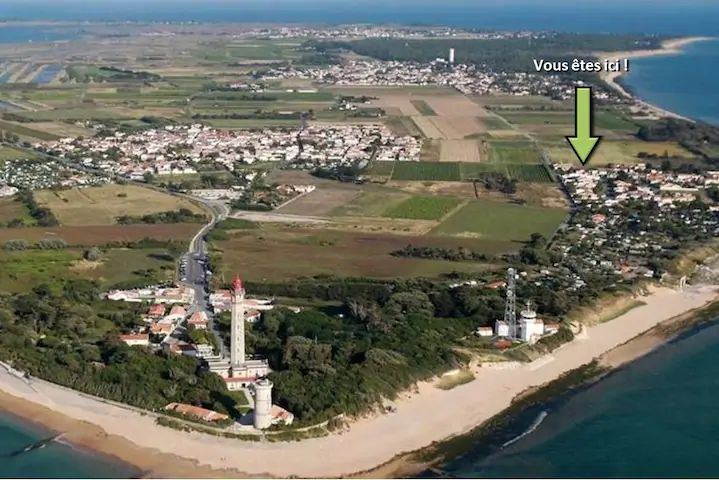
x: 583, y: 143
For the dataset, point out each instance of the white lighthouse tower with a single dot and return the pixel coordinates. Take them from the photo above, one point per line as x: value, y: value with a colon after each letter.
x: 263, y: 404
x: 237, y: 328
x: 240, y: 370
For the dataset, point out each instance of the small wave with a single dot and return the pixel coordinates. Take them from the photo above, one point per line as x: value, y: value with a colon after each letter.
x: 535, y: 424
x: 34, y: 446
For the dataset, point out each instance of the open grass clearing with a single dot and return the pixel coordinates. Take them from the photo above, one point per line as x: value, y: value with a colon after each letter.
x: 285, y: 253
x: 27, y: 133
x: 370, y: 204
x: 13, y: 210
x: 9, y: 153
x: 102, y: 205
x: 501, y: 221
x: 102, y: 234
x: 423, y: 208
x: 23, y: 270
x: 513, y: 152
x: 320, y: 202
x: 617, y: 151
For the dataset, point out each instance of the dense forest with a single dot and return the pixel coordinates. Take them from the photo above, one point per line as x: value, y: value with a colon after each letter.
x: 700, y: 138
x: 508, y: 55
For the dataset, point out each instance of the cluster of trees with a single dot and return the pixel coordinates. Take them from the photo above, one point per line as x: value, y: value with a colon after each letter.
x: 697, y: 137
x: 461, y: 254
x: 43, y: 216
x: 713, y: 193
x: 343, y: 173
x: 182, y: 215
x: 325, y: 365
x: 66, y: 334
x: 497, y: 181
x: 507, y: 55
x: 244, y: 204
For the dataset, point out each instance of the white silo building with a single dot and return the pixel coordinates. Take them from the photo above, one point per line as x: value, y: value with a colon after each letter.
x: 263, y: 404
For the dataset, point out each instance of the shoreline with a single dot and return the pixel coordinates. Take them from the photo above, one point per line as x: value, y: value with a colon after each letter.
x: 135, y: 439
x: 434, y: 457
x: 668, y: 47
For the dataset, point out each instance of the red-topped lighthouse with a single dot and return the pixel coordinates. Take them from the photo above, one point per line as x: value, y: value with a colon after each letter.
x: 237, y: 328
x: 237, y: 285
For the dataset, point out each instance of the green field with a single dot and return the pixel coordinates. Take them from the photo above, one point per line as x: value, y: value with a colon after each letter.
x: 532, y: 117
x: 427, y: 171
x: 513, y: 152
x: 501, y: 221
x: 251, y: 50
x: 9, y: 153
x: 23, y: 270
x: 617, y: 152
x: 603, y: 119
x: 27, y: 132
x: 403, y: 126
x: 514, y: 171
x: 423, y: 208
x: 456, y: 171
x: 423, y: 107
x: 279, y: 253
x: 87, y: 113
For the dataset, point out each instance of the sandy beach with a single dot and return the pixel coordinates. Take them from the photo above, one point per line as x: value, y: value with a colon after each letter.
x: 426, y: 416
x: 669, y: 47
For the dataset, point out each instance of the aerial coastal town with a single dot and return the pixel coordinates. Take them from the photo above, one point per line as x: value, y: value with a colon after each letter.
x: 284, y: 233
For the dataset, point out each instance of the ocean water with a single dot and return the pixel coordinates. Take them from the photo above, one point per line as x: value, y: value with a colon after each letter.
x: 651, y: 16
x: 655, y: 418
x: 23, y: 34
x: 55, y: 459
x: 684, y: 83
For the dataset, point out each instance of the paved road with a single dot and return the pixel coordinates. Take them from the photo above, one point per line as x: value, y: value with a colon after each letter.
x: 193, y: 265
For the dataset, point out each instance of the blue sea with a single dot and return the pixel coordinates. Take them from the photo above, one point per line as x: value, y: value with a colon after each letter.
x: 684, y: 83
x: 657, y: 417
x: 54, y: 459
